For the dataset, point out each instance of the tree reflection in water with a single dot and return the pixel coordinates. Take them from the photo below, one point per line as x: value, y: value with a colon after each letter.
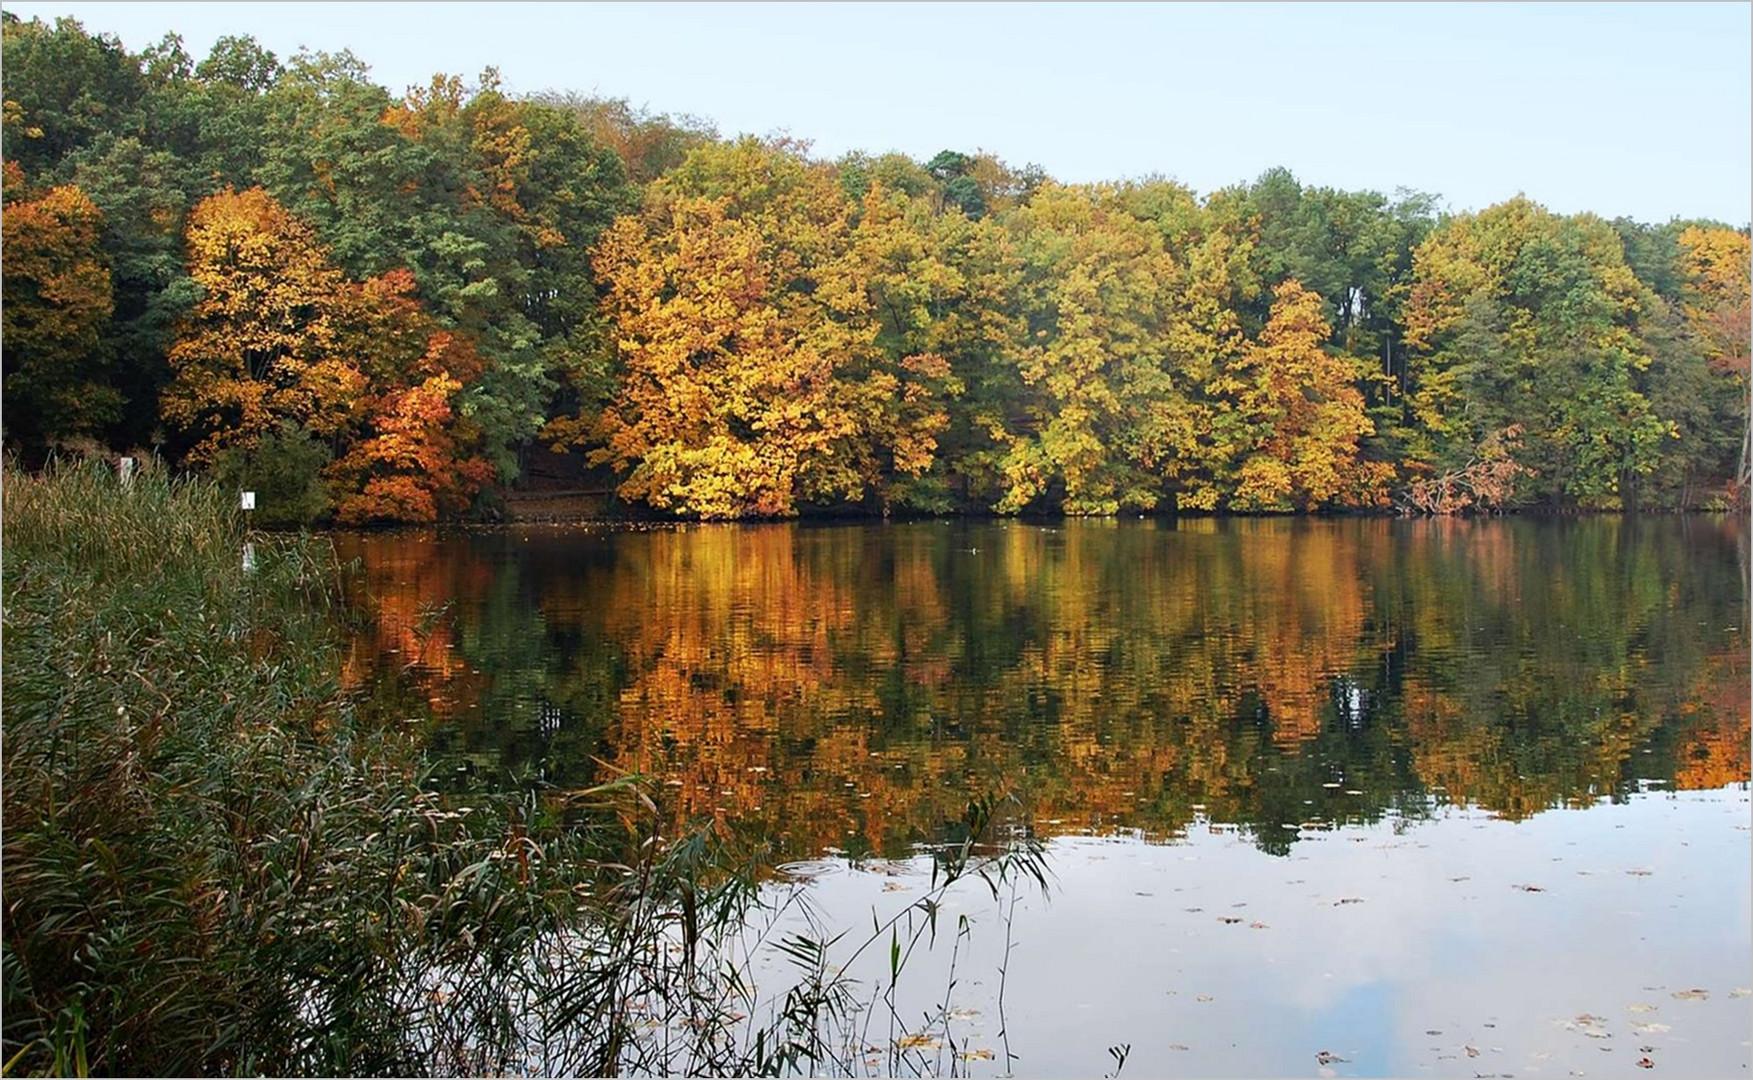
x: 844, y: 688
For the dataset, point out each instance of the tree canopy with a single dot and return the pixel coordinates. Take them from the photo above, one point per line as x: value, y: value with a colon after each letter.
x: 406, y: 295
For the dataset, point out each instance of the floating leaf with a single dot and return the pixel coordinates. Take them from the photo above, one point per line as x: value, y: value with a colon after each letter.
x: 1692, y: 995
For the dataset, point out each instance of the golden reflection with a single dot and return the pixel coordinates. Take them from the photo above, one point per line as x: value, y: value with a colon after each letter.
x: 849, y: 688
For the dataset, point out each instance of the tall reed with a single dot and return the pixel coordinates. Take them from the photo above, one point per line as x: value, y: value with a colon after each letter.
x: 212, y: 864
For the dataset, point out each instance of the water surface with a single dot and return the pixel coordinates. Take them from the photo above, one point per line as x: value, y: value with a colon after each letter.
x: 1422, y: 798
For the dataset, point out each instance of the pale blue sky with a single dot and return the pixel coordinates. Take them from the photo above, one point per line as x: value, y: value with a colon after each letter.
x: 1637, y: 109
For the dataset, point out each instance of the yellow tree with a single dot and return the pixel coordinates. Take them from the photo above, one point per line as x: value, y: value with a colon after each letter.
x: 1304, y: 405
x: 1717, y: 265
x: 941, y: 287
x: 1120, y: 342
x: 260, y: 345
x: 752, y: 380
x: 58, y: 303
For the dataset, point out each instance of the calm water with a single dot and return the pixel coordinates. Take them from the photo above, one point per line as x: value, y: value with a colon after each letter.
x: 1361, y: 797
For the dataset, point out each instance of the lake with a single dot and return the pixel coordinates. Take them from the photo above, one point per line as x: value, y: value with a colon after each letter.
x: 1318, y: 797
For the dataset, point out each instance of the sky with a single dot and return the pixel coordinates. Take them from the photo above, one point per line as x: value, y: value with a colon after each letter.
x: 1641, y: 110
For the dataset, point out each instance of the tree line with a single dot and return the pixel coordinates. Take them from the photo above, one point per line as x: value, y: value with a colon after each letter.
x: 372, y: 308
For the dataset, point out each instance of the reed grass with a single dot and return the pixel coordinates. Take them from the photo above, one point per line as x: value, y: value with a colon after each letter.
x: 213, y: 865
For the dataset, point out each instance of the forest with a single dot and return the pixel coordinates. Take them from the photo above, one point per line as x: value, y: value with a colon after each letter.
x: 378, y: 309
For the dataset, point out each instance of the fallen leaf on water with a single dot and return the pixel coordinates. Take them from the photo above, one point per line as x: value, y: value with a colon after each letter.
x: 1528, y: 888
x: 1740, y: 991
x: 1348, y: 900
x: 1258, y: 926
x: 1461, y: 878
x: 975, y: 1055
x: 1203, y: 997
x: 1177, y: 1046
x: 913, y: 1042
x: 1652, y: 1029
x: 894, y: 886
x: 1640, y: 873
x: 1472, y: 1051
x: 1642, y: 1008
x: 1596, y: 1033
x: 1692, y: 995
x: 1195, y: 909
x: 1327, y: 1057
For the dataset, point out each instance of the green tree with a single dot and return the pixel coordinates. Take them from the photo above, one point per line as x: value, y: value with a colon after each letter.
x: 1518, y: 316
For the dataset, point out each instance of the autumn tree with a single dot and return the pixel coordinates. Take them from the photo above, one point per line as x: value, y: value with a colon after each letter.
x: 412, y: 458
x: 941, y: 289
x: 752, y: 378
x: 493, y: 204
x: 1120, y: 341
x: 1715, y: 266
x: 1303, y: 405
x: 260, y: 346
x: 58, y: 305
